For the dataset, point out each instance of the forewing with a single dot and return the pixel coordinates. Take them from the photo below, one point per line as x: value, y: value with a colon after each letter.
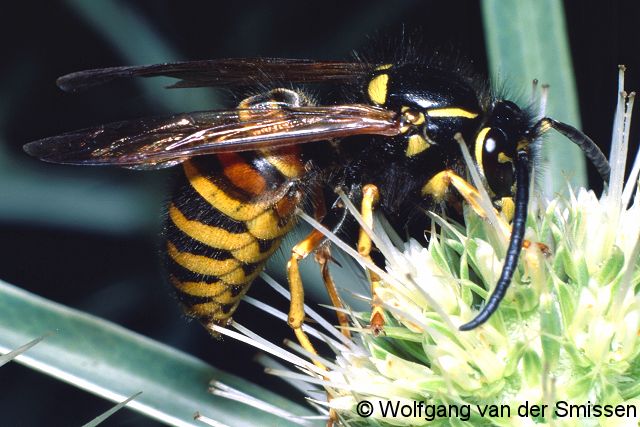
x: 224, y: 72
x: 160, y: 142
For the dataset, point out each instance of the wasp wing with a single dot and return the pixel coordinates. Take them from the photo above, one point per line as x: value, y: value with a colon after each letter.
x: 224, y: 72
x: 164, y: 141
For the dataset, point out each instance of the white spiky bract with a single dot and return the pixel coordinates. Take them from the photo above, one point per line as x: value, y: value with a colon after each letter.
x: 567, y: 330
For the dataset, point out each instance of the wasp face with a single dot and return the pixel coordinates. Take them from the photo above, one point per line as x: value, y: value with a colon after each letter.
x: 496, y: 144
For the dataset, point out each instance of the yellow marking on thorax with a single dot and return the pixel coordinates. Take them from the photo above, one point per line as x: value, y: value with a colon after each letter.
x: 201, y: 264
x: 416, y: 145
x: 451, y: 112
x: 480, y: 146
x: 266, y: 226
x: 217, y: 198
x: 209, y: 235
x: 377, y: 89
x: 383, y: 67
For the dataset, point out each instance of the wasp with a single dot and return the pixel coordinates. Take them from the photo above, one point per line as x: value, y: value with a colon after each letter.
x: 387, y: 138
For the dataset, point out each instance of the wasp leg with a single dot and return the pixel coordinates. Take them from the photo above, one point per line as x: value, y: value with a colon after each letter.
x: 296, y: 310
x: 437, y: 187
x: 323, y: 256
x: 439, y: 183
x: 334, y: 221
x: 370, y: 197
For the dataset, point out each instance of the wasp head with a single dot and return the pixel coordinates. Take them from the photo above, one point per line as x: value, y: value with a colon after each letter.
x: 495, y: 146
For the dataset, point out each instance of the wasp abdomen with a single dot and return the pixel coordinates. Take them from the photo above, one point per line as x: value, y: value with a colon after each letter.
x: 226, y: 218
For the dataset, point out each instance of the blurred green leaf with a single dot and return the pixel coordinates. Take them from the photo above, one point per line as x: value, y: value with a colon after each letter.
x: 526, y: 40
x: 80, y: 202
x: 112, y: 362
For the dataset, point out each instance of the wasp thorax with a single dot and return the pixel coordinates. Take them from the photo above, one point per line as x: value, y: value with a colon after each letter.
x: 434, y: 105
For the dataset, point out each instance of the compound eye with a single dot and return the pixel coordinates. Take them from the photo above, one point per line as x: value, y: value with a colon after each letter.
x: 494, y: 142
x: 494, y: 157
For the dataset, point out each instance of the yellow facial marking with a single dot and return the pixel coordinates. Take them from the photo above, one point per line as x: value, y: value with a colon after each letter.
x: 451, y: 112
x: 214, y: 237
x: 417, y: 144
x: 201, y: 264
x: 479, y: 146
x: 503, y: 158
x: 384, y: 67
x: 508, y: 208
x: 378, y: 89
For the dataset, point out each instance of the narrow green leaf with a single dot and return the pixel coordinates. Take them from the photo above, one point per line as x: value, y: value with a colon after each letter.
x: 526, y: 40
x: 112, y: 362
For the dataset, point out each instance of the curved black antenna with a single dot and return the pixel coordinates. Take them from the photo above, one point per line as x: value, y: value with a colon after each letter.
x: 515, y: 243
x: 585, y: 143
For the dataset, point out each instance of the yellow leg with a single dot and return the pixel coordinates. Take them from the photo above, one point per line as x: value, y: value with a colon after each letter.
x: 296, y: 309
x: 437, y: 186
x: 323, y: 256
x: 370, y: 196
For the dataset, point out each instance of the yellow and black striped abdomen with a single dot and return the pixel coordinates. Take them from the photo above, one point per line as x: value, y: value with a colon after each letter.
x: 226, y: 218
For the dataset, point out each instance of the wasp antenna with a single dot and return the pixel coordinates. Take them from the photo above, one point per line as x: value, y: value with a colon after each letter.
x: 515, y: 243
x: 586, y: 144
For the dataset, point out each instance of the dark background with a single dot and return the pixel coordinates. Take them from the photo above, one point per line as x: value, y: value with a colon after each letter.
x: 113, y: 271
